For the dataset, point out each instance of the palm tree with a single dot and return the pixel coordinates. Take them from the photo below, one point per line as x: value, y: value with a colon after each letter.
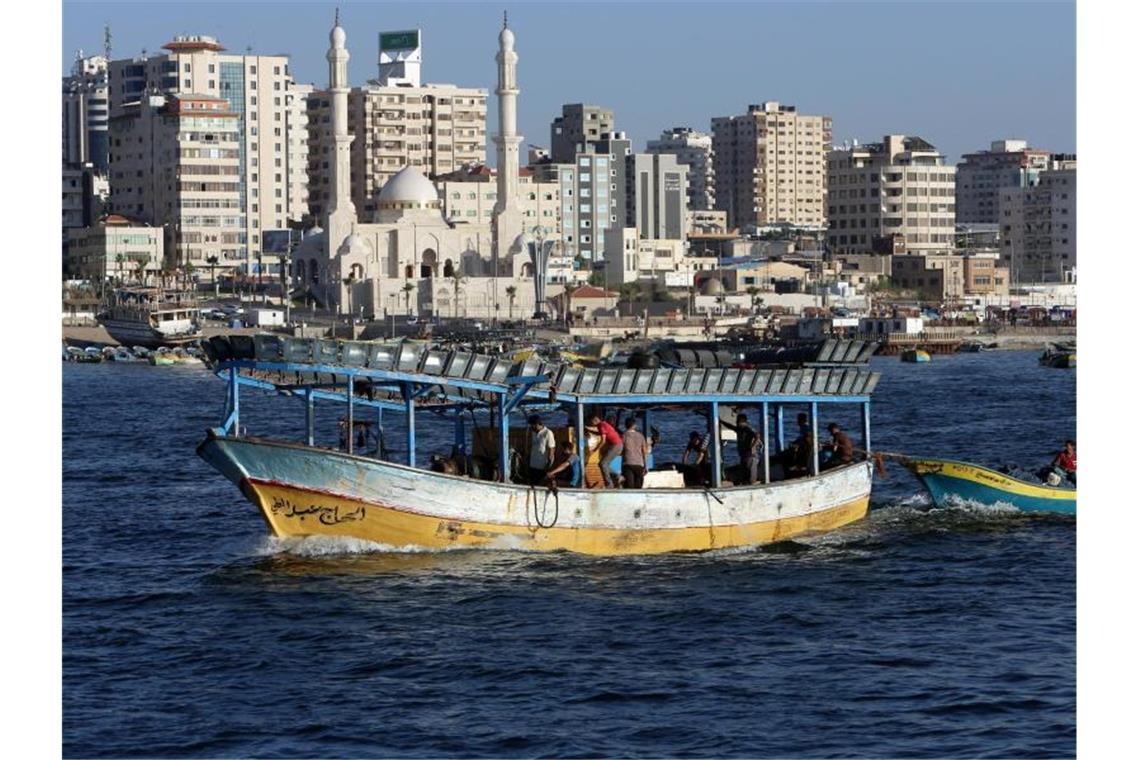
x: 628, y: 292
x: 348, y: 282
x: 408, y: 288
x: 140, y: 266
x: 457, y: 279
x: 119, y: 267
x: 752, y: 290
x: 512, y: 291
x: 567, y: 289
x: 213, y: 261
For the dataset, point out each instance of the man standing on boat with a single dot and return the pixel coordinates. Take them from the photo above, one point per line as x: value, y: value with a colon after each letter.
x: 612, y: 442
x: 842, y: 450
x: 540, y: 451
x: 635, y: 451
x: 748, y: 447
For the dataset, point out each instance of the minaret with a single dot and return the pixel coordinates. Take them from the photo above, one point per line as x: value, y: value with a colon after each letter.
x: 509, y: 214
x: 341, y: 216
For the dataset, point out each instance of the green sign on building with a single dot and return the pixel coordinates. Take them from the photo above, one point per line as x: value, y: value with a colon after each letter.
x: 409, y: 40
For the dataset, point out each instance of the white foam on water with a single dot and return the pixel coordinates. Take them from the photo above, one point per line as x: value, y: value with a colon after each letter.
x: 332, y: 546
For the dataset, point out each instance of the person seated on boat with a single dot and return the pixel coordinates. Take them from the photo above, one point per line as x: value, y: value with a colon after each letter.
x: 842, y: 451
x: 793, y: 455
x: 749, y: 447
x: 798, y: 457
x: 612, y: 445
x: 1064, y: 464
x: 697, y: 473
x: 539, y: 451
x: 568, y: 471
x: 635, y: 453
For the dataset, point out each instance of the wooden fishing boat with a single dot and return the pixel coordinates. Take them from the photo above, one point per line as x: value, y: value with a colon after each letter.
x: 302, y: 489
x: 151, y: 317
x: 951, y: 482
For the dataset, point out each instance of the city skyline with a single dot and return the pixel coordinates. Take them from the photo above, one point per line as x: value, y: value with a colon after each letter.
x: 959, y: 95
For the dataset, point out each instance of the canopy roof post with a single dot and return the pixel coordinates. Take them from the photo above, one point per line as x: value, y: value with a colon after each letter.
x: 814, y: 438
x: 410, y: 412
x: 781, y: 444
x: 580, y: 431
x: 310, y: 421
x: 867, y: 427
x: 349, y: 432
x: 714, y: 425
x: 504, y: 440
x: 234, y: 423
x: 766, y: 453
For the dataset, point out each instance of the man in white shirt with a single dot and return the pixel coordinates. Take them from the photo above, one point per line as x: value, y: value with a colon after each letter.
x: 540, y: 451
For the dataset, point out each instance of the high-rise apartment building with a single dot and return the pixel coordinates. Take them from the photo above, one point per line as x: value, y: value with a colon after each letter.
x: 577, y: 127
x: 470, y: 195
x: 890, y: 196
x: 85, y: 112
x: 694, y: 149
x: 770, y: 166
x: 396, y: 121
x: 1039, y: 225
x: 176, y: 163
x: 272, y: 146
x: 983, y: 175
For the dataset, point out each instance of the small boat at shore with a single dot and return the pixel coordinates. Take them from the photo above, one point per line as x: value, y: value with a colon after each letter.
x: 1059, y: 356
x: 151, y: 317
x: 302, y: 489
x: 915, y: 356
x: 950, y: 482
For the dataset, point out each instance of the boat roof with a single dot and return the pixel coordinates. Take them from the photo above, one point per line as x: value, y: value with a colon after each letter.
x: 838, y: 372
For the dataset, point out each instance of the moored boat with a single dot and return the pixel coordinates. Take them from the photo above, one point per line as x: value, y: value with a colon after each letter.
x: 915, y: 356
x: 151, y: 317
x: 302, y: 489
x: 950, y: 482
x: 1060, y: 356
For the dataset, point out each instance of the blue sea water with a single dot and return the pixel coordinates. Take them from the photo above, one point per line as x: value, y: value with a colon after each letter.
x: 915, y: 632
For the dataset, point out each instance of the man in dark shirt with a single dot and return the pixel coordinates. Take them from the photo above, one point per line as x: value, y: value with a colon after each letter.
x: 635, y: 450
x: 842, y: 452
x: 748, y: 446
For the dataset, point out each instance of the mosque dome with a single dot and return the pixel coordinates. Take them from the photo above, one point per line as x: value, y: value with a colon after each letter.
x: 712, y: 287
x: 354, y: 245
x: 408, y: 189
x: 507, y: 39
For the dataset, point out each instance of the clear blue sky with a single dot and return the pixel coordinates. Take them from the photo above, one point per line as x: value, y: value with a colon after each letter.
x: 959, y: 74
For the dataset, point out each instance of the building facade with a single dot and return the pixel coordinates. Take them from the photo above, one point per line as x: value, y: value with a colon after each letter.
x: 437, y: 128
x: 1039, y: 226
x: 272, y: 139
x: 175, y: 164
x: 695, y: 150
x: 85, y: 113
x: 981, y: 177
x: 770, y: 166
x: 656, y: 196
x: 577, y: 127
x: 469, y: 197
x: 114, y: 248
x: 890, y: 196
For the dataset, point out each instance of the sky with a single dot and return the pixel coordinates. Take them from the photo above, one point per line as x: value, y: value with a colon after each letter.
x: 959, y: 74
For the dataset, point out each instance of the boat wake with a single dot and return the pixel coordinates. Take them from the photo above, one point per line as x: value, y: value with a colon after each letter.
x: 334, y: 546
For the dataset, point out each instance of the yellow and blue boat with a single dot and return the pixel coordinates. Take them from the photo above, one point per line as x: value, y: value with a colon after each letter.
x: 949, y: 482
x: 915, y: 356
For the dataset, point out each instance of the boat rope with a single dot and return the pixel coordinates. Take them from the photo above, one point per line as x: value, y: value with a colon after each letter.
x: 710, y: 493
x: 551, y: 489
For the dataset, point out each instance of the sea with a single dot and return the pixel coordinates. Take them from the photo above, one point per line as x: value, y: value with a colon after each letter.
x: 916, y: 632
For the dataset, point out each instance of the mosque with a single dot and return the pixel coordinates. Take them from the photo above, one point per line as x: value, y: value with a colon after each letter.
x: 409, y: 259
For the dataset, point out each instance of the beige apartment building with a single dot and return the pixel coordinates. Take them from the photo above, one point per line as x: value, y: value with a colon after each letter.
x: 950, y: 277
x: 115, y: 249
x: 272, y: 130
x: 176, y: 164
x: 770, y: 166
x: 436, y: 128
x: 469, y: 196
x: 1039, y: 226
x: 884, y: 196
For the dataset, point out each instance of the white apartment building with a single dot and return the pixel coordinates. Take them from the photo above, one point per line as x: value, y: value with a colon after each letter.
x: 890, y: 196
x: 1039, y: 226
x: 770, y: 166
x: 630, y: 258
x: 272, y: 140
x: 176, y: 164
x: 470, y: 196
x: 694, y: 149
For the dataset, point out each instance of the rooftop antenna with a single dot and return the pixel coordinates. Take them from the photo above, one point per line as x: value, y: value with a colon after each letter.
x: 336, y: 17
x: 107, y: 41
x: 504, y: 18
